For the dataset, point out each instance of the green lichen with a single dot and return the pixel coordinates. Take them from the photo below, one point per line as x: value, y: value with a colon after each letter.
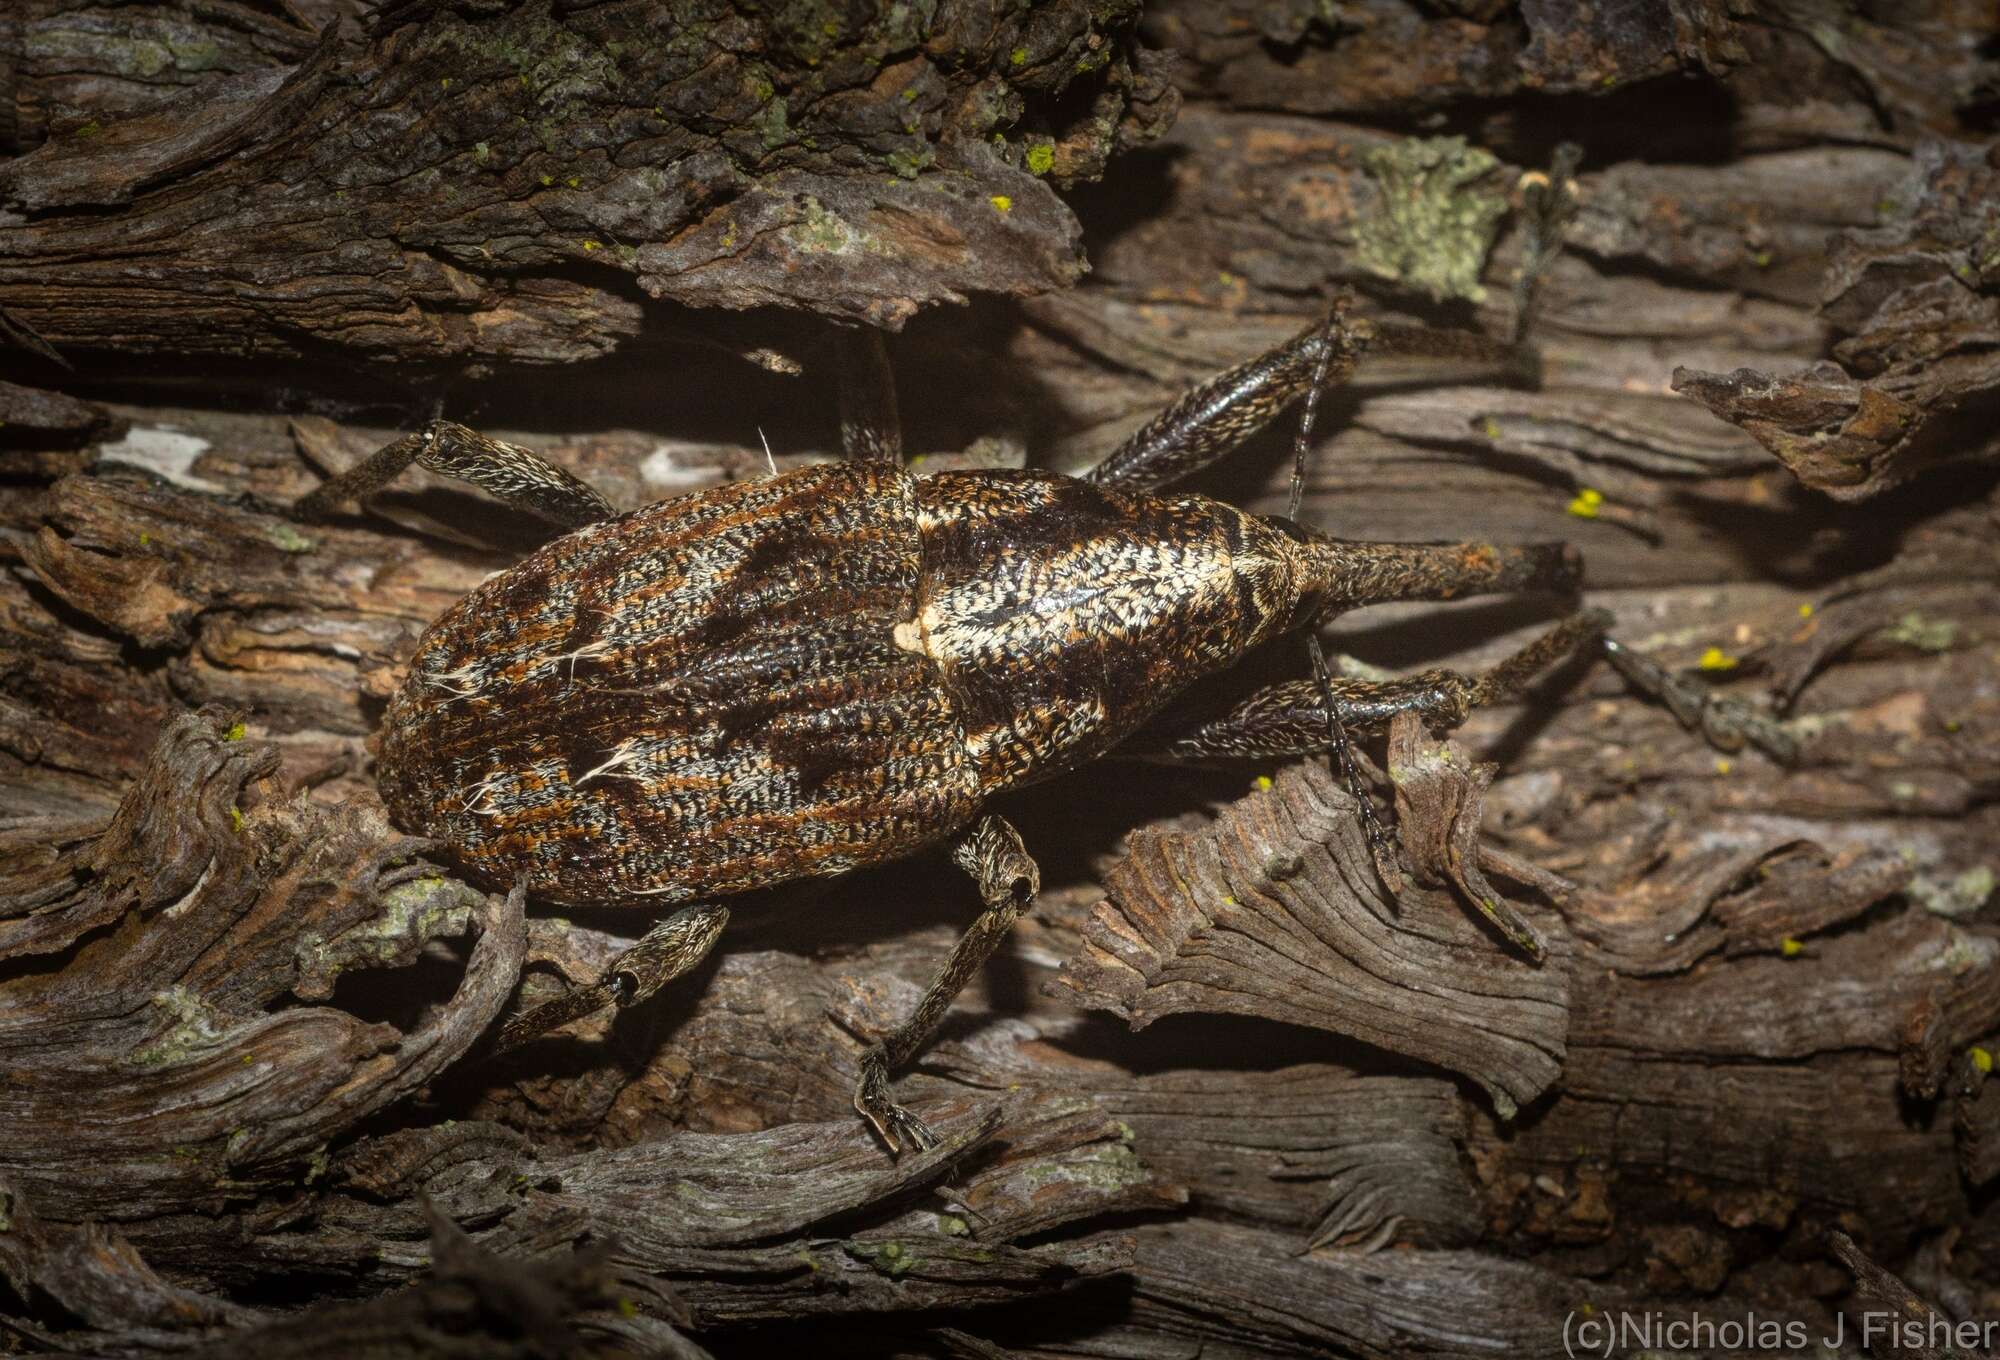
x: 193, y: 54
x: 1108, y: 1167
x: 1438, y: 207
x: 893, y: 1259
x: 559, y: 68
x: 195, y: 1029
x: 285, y: 538
x: 909, y: 163
x: 1926, y: 634
x: 135, y: 57
x: 773, y: 124
x: 1041, y: 158
x: 1958, y: 896
x: 422, y: 909
x: 823, y: 231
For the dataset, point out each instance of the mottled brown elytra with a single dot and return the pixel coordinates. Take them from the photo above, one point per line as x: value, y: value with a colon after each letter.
x: 840, y: 665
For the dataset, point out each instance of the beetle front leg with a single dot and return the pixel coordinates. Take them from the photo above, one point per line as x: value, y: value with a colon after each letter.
x: 519, y: 476
x: 1230, y: 407
x: 1289, y: 719
x: 1008, y: 881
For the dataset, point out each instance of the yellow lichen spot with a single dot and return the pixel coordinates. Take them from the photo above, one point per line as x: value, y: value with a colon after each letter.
x: 236, y: 818
x: 1722, y: 765
x: 1002, y: 203
x: 445, y: 84
x: 145, y: 539
x: 547, y: 180
x: 1491, y: 429
x: 1586, y: 503
x: 1041, y: 158
x: 1263, y: 783
x: 1790, y: 947
x: 235, y: 732
x: 1019, y: 56
x: 572, y: 181
x: 1805, y: 611
x: 1982, y: 1060
x: 591, y: 245
x: 1715, y: 659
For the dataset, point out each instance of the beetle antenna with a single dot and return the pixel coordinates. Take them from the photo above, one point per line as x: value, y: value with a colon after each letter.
x: 1339, y: 747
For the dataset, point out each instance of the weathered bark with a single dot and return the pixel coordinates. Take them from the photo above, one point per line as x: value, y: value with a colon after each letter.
x: 503, y: 184
x: 246, y: 1022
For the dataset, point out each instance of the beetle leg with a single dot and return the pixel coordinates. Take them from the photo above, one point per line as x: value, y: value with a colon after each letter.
x: 1726, y: 723
x: 662, y: 954
x: 871, y: 431
x: 516, y: 475
x: 1008, y: 880
x: 1289, y: 718
x: 1230, y: 407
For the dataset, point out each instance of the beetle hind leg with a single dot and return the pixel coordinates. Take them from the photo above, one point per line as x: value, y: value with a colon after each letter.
x: 1008, y: 881
x: 662, y: 954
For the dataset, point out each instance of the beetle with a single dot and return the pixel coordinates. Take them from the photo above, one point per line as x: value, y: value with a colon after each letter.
x: 842, y: 664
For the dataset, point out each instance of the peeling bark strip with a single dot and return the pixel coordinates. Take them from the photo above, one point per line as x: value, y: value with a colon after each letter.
x: 1277, y: 912
x: 151, y: 965
x: 478, y: 183
x: 1915, y: 304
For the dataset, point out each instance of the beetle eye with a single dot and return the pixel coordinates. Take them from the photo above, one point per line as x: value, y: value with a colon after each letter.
x: 1288, y: 527
x: 624, y: 987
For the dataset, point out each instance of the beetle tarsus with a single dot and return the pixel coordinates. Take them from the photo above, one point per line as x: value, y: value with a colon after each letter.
x: 1008, y: 880
x: 893, y: 1124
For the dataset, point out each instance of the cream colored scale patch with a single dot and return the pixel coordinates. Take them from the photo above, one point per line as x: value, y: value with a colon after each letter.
x: 1097, y: 590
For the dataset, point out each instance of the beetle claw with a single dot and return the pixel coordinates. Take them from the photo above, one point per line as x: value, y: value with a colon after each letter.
x: 893, y: 1124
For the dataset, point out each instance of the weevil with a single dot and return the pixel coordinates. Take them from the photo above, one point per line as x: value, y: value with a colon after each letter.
x: 843, y: 664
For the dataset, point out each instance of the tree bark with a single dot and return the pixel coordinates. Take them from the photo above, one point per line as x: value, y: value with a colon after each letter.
x: 1232, y: 1088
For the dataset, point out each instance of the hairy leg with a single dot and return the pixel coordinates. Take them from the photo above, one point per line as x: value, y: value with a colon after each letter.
x: 1008, y: 880
x: 1290, y: 718
x: 1221, y: 413
x: 519, y: 476
x: 665, y: 952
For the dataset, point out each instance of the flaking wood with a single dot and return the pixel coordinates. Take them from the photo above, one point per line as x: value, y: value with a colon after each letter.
x: 1226, y: 1091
